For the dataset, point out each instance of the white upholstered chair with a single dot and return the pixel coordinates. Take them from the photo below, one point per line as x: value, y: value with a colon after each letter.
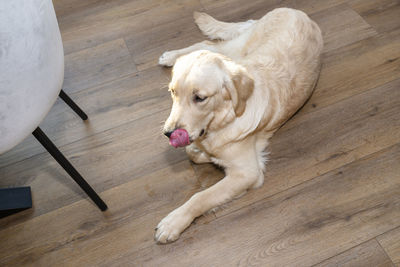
x: 31, y: 78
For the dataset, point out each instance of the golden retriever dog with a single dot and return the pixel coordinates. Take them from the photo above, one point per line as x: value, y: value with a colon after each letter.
x: 229, y: 97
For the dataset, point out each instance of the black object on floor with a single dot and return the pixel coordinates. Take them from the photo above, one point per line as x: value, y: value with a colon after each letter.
x: 13, y: 200
x: 59, y: 157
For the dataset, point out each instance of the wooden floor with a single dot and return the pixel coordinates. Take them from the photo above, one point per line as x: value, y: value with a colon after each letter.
x: 332, y: 190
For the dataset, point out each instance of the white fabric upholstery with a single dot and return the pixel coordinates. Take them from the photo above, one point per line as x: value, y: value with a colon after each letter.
x: 31, y: 67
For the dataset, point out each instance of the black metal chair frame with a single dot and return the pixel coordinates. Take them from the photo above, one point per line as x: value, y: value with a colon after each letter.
x: 59, y: 157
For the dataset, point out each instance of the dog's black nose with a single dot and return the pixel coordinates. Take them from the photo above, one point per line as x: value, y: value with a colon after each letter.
x: 168, y: 134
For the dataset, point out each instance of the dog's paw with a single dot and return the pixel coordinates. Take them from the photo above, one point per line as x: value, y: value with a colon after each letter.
x: 168, y: 59
x: 196, y: 155
x: 170, y: 228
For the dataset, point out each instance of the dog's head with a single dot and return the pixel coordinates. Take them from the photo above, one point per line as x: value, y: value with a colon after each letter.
x: 208, y: 91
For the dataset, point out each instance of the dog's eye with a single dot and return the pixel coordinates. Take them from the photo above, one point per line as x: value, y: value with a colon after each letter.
x: 199, y: 99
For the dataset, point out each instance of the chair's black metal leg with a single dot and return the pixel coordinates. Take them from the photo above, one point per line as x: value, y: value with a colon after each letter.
x: 59, y: 157
x: 73, y: 105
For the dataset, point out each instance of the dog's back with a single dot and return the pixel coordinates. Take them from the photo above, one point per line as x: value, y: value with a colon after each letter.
x: 282, y: 51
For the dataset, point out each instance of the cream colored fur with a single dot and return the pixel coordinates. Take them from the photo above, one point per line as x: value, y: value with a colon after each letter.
x: 253, y: 79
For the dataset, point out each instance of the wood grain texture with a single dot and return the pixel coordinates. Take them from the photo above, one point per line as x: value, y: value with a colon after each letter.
x: 332, y: 189
x: 79, y: 234
x: 236, y: 10
x: 356, y: 68
x: 108, y: 105
x: 298, y: 227
x: 341, y: 26
x: 147, y: 46
x: 96, y: 65
x: 390, y: 242
x: 382, y: 15
x: 110, y: 20
x: 368, y: 254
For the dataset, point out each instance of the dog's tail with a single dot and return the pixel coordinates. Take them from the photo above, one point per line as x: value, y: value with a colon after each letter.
x: 216, y: 29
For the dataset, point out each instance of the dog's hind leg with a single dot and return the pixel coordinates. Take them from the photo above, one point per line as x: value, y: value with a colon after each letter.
x: 261, y: 145
x: 168, y: 58
x: 219, y: 30
x: 214, y: 29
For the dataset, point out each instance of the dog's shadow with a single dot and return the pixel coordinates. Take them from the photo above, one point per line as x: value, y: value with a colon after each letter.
x: 173, y: 156
x: 207, y: 174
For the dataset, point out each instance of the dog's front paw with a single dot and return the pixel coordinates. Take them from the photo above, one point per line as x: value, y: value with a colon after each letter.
x: 196, y: 155
x: 168, y: 59
x: 169, y: 229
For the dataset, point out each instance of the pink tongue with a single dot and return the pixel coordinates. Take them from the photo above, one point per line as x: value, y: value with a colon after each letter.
x: 179, y: 137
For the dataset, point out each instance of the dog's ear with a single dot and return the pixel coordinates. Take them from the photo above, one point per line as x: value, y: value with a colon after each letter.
x: 240, y: 87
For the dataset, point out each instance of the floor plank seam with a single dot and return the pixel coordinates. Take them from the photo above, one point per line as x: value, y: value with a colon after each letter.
x: 122, y: 35
x: 344, y: 251
x: 101, y: 84
x: 394, y: 228
x: 366, y: 241
x: 311, y: 111
x: 122, y: 77
x: 384, y: 250
x: 131, y: 54
x: 86, y: 137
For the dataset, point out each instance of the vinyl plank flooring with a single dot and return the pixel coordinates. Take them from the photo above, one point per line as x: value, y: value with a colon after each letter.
x: 341, y: 26
x: 90, y: 28
x: 97, y: 65
x: 79, y: 234
x: 66, y: 8
x: 356, y: 68
x: 390, y: 242
x: 74, y: 15
x: 236, y: 10
x: 108, y: 105
x: 147, y: 46
x: 382, y: 15
x: 299, y: 227
x: 368, y: 254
